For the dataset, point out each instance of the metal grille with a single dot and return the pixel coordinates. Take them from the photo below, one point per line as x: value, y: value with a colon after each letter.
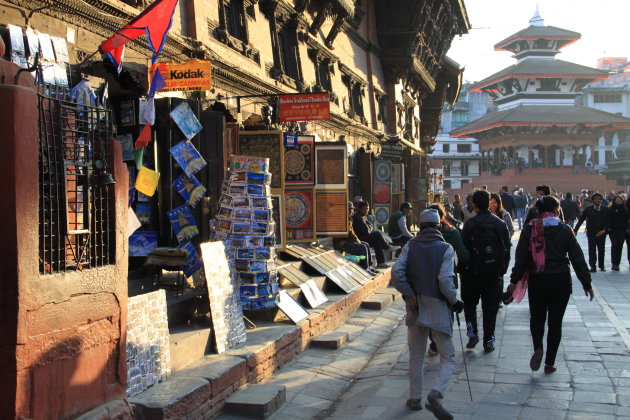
x: 76, y: 218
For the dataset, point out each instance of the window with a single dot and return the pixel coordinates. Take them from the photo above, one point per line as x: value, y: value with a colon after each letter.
x: 287, y: 46
x: 235, y: 19
x: 232, y: 27
x: 464, y: 168
x: 356, y: 92
x: 447, y: 169
x: 463, y: 148
x: 607, y: 98
x: 447, y: 183
x: 549, y: 84
x: 446, y: 148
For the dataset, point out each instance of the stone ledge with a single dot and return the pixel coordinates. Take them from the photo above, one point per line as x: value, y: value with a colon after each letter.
x: 257, y: 401
x: 332, y: 340
x: 200, y: 390
x: 377, y: 302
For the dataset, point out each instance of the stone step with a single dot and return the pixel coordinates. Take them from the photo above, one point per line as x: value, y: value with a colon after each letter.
x: 389, y: 291
x: 189, y: 343
x: 256, y: 401
x: 377, y: 302
x: 331, y: 340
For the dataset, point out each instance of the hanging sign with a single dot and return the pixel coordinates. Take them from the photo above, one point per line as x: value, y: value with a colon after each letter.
x: 189, y: 76
x: 306, y: 107
x: 392, y: 152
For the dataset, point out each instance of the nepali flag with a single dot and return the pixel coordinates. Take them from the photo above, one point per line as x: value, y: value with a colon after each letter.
x: 155, y: 21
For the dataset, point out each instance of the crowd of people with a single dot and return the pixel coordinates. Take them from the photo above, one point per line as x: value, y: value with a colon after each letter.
x: 467, y: 244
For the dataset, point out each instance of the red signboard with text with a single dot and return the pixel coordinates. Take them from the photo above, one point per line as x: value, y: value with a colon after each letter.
x: 306, y: 107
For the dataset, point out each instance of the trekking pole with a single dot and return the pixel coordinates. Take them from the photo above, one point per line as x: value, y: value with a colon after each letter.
x: 461, y: 340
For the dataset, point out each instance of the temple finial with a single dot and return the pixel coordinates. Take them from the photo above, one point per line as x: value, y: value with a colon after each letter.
x: 536, y: 20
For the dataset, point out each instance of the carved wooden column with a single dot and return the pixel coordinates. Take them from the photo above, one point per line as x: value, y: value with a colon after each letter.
x: 336, y: 28
x: 321, y: 17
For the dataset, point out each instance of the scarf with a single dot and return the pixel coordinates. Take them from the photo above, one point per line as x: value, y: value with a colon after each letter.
x: 537, y: 239
x: 429, y: 235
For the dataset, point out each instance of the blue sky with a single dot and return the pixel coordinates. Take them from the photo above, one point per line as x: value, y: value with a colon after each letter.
x: 604, y: 25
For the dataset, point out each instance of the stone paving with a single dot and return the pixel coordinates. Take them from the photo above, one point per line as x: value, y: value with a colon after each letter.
x: 367, y: 379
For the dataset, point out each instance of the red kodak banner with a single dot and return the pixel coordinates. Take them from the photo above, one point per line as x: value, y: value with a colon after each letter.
x: 189, y: 76
x: 306, y: 107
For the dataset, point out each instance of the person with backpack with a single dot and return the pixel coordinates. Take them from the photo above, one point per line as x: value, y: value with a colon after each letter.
x: 545, y: 249
x: 522, y: 201
x: 424, y: 275
x: 487, y: 239
x: 570, y: 209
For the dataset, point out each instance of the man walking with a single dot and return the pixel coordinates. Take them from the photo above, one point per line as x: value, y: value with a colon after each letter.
x: 508, y: 201
x: 397, y: 226
x: 570, y: 209
x: 541, y: 191
x: 521, y: 207
x: 597, y: 221
x: 457, y: 208
x: 424, y: 275
x: 487, y: 239
x: 366, y: 233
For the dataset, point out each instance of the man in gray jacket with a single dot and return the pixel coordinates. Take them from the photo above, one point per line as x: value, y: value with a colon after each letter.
x: 424, y: 275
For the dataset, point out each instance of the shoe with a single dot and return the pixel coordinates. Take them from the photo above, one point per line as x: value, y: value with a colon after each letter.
x: 602, y: 269
x: 414, y: 404
x: 382, y: 266
x: 433, y: 404
x: 488, y: 346
x: 433, y: 350
x: 536, y: 360
x: 615, y: 268
x: 550, y: 368
x: 472, y: 342
x: 593, y: 270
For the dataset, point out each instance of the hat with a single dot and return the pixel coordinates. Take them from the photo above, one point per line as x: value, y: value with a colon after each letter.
x: 405, y: 206
x: 350, y: 205
x: 430, y: 216
x: 357, y: 199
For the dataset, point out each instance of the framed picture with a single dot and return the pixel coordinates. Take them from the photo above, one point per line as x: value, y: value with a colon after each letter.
x: 299, y: 215
x: 331, y: 166
x: 127, y: 113
x: 381, y: 214
x: 299, y: 162
x: 331, y: 210
x: 267, y: 144
x: 277, y: 213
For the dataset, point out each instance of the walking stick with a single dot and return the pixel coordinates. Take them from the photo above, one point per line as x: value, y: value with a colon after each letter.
x: 461, y: 340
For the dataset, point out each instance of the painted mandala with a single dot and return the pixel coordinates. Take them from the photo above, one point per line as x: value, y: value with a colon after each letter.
x: 383, y: 172
x: 293, y: 162
x: 381, y: 215
x: 298, y: 209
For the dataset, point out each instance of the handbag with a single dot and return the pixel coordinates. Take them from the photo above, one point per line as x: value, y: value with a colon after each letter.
x: 521, y: 288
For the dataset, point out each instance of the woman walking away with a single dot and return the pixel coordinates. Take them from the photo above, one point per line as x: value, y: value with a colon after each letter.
x: 617, y: 229
x: 544, y: 250
x: 496, y: 208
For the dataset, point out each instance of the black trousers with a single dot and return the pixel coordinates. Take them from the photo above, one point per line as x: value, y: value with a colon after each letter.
x: 617, y: 238
x: 360, y: 248
x: 548, y: 298
x: 596, y: 253
x: 488, y: 289
x: 376, y: 241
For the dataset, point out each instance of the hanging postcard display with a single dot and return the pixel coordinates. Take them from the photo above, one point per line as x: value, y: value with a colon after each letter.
x: 187, y: 157
x: 299, y: 162
x: 299, y: 215
x: 228, y: 325
x: 245, y: 223
x: 183, y: 223
x: 190, y: 189
x: 186, y: 120
x: 266, y: 144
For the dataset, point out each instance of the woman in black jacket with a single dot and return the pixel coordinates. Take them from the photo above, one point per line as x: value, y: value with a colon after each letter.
x: 617, y: 229
x: 553, y: 245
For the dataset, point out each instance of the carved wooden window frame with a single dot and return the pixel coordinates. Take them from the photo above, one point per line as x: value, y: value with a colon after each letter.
x: 238, y: 42
x: 285, y: 21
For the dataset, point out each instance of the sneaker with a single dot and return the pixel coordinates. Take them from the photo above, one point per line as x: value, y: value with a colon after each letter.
x: 414, y: 404
x: 602, y: 269
x: 536, y: 360
x: 472, y: 342
x: 550, y: 368
x: 488, y: 346
x: 593, y: 270
x: 433, y: 404
x: 615, y: 268
x: 382, y: 266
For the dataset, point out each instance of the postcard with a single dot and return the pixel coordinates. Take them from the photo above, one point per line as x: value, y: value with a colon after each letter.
x: 187, y: 157
x: 238, y: 241
x: 262, y: 215
x: 224, y: 225
x: 238, y: 176
x: 190, y: 189
x: 237, y: 189
x: 262, y: 277
x: 126, y: 142
x: 240, y: 201
x: 143, y: 211
x: 226, y: 199
x: 269, y: 241
x: 241, y: 265
x: 261, y: 202
x: 253, y: 241
x: 255, y: 266
x: 245, y: 277
x: 255, y: 189
x: 183, y: 223
x: 141, y: 243
x: 249, y: 290
x: 245, y: 253
x: 241, y: 227
x: 225, y: 211
x: 186, y: 120
x: 263, y: 253
x: 249, y: 163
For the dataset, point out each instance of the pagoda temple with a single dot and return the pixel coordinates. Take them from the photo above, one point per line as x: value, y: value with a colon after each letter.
x: 538, y: 134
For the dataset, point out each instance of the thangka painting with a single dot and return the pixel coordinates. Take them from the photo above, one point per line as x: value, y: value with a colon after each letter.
x: 331, y: 167
x: 190, y: 189
x: 331, y: 213
x: 266, y: 144
x: 299, y: 215
x: 183, y: 223
x: 187, y: 157
x: 381, y: 214
x: 186, y: 120
x: 299, y: 162
x: 382, y: 182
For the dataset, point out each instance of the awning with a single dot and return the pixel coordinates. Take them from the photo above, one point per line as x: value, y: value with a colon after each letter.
x: 453, y: 74
x: 133, y: 78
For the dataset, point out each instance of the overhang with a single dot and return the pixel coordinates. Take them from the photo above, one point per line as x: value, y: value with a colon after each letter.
x: 537, y: 32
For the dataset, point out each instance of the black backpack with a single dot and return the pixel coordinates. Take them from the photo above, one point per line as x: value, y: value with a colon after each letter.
x: 488, y: 250
x: 521, y: 202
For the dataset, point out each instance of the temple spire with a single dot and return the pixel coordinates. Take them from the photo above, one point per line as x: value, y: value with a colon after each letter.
x: 536, y: 20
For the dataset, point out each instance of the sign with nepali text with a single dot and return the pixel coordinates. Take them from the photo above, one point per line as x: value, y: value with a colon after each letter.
x: 306, y: 107
x: 192, y: 75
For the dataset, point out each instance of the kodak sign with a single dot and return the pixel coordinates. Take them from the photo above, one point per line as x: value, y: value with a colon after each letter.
x: 189, y: 76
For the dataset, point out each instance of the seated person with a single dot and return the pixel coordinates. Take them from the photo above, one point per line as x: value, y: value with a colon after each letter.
x: 365, y: 232
x: 354, y: 246
x: 397, y: 227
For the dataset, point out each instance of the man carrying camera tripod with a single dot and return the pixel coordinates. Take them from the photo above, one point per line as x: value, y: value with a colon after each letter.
x: 424, y: 275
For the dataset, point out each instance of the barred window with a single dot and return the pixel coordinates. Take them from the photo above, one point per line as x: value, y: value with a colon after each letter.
x: 76, y: 218
x: 235, y: 19
x: 287, y: 43
x: 607, y: 98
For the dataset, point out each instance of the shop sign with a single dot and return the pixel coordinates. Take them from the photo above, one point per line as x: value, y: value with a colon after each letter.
x: 306, y: 107
x: 392, y: 152
x: 290, y: 140
x: 190, y: 76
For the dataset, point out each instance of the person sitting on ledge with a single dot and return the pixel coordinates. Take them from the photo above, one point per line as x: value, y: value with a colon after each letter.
x: 397, y: 227
x: 366, y: 232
